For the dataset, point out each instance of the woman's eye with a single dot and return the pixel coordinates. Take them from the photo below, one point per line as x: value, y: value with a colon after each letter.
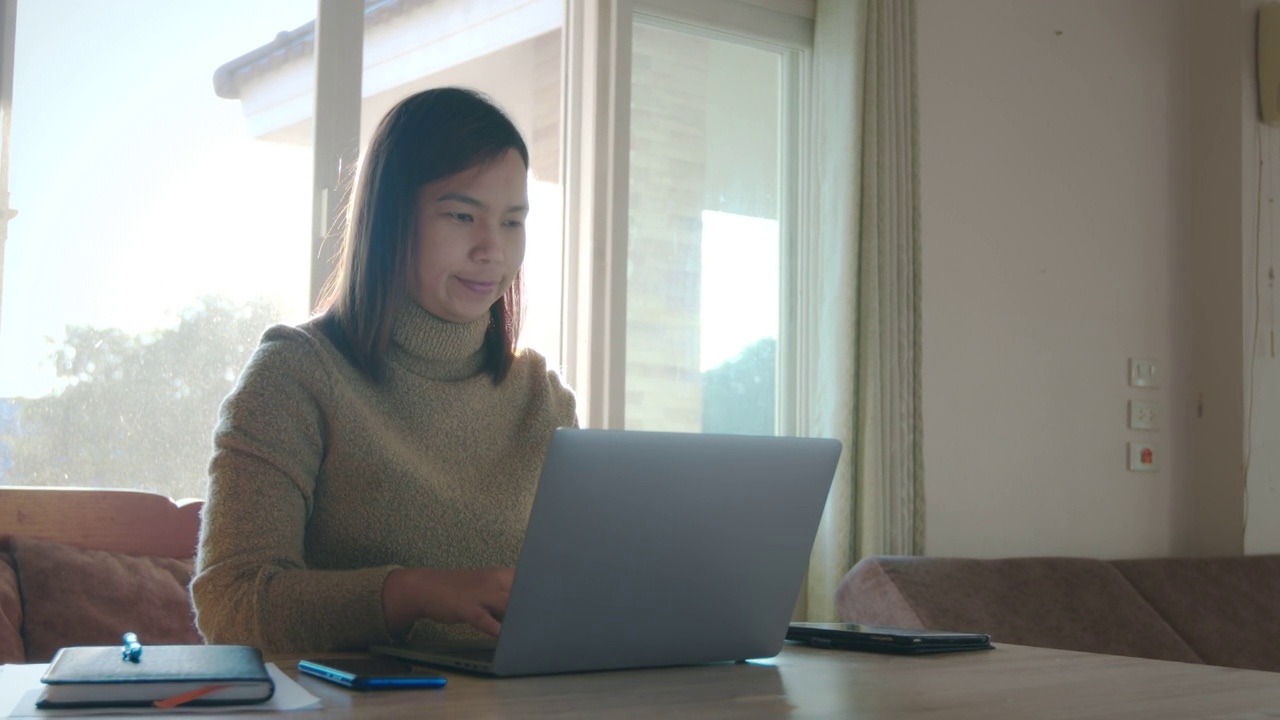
x: 514, y: 223
x: 462, y: 217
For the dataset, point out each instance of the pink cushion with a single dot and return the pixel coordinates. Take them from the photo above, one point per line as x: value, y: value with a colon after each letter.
x: 11, y: 648
x: 75, y: 596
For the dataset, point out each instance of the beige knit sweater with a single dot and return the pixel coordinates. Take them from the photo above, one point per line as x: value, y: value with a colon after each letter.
x: 322, y: 482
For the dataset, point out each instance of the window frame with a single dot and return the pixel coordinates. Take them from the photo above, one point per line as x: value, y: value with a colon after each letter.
x: 595, y: 159
x: 8, y: 27
x: 335, y: 128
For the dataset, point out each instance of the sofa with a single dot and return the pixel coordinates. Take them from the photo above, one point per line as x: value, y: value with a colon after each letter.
x: 1217, y: 611
x: 82, y: 567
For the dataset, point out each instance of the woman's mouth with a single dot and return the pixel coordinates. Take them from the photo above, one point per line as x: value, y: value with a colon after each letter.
x: 479, y: 287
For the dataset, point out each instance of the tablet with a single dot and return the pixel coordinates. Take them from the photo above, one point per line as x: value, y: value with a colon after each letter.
x: 907, y: 641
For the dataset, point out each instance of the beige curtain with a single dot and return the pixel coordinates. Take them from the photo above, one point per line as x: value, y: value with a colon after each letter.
x: 866, y: 370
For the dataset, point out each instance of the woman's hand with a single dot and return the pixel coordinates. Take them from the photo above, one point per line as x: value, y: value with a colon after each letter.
x: 475, y: 597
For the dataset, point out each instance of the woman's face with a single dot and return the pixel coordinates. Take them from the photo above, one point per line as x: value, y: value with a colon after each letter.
x: 470, y: 238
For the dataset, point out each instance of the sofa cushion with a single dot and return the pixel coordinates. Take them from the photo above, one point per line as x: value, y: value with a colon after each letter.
x: 76, y: 596
x: 1227, y: 608
x: 11, y: 648
x: 1066, y: 603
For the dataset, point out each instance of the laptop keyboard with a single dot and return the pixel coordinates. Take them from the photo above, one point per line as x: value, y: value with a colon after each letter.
x: 477, y: 655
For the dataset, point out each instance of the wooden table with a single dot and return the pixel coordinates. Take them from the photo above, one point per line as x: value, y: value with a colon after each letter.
x: 1008, y: 682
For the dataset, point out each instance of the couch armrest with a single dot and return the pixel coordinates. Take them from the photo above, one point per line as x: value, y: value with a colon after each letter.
x: 869, y: 596
x: 1065, y: 603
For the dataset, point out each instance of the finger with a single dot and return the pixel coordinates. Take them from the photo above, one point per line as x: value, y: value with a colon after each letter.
x: 486, y: 623
x: 504, y: 577
x: 496, y: 603
x: 494, y: 610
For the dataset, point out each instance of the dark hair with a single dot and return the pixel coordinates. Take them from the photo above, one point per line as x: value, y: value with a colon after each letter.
x: 426, y: 137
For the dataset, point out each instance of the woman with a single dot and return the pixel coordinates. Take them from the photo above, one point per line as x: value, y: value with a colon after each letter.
x: 373, y: 469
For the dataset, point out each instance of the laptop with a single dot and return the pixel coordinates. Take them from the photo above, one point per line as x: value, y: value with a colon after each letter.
x: 651, y: 549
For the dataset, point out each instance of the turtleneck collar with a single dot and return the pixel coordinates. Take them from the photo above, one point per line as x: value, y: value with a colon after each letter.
x: 436, y: 349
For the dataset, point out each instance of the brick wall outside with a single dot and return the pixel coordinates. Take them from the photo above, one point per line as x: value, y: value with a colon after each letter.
x: 668, y: 172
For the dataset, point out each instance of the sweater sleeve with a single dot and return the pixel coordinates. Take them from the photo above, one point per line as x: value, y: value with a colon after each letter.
x: 252, y: 585
x: 564, y: 405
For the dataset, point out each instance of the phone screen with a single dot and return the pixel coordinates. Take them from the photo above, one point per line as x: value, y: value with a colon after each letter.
x: 372, y: 673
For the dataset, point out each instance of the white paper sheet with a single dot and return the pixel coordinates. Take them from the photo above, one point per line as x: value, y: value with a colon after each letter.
x: 20, y: 688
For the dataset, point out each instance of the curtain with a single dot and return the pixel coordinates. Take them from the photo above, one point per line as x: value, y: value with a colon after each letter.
x: 865, y: 371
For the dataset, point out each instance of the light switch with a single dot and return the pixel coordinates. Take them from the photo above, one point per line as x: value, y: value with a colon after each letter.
x: 1143, y: 373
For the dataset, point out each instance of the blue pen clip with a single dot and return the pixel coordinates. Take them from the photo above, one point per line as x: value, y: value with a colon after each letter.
x: 132, y: 650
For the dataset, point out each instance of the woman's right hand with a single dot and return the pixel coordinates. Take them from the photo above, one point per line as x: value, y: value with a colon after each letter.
x: 475, y: 597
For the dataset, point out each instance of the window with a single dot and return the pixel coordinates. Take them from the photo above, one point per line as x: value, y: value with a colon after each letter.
x: 685, y: 250
x: 156, y: 237
x: 163, y: 167
x: 703, y: 237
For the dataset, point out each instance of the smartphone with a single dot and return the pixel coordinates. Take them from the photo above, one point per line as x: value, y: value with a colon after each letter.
x: 371, y: 673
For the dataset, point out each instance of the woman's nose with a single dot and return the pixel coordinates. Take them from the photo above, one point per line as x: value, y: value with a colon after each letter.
x: 487, y: 246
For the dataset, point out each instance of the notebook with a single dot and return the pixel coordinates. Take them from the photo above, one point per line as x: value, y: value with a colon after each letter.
x: 101, y: 677
x: 650, y: 549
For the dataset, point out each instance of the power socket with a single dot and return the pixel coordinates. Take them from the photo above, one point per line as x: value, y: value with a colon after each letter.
x: 1143, y: 415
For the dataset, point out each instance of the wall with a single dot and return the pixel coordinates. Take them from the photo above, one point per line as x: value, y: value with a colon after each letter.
x: 1057, y: 240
